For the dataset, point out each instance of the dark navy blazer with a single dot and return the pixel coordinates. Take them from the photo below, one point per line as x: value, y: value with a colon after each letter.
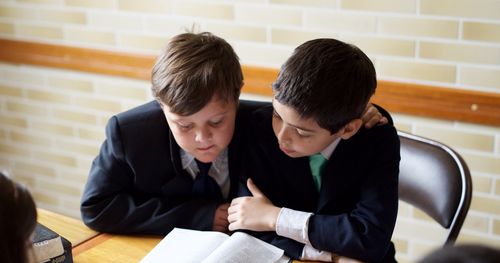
x: 137, y: 184
x: 356, y: 209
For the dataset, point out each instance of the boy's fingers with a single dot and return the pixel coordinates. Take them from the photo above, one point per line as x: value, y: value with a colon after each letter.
x: 232, y: 227
x: 380, y: 120
x: 231, y: 210
x: 384, y: 120
x: 253, y: 188
x: 371, y: 123
x: 232, y: 218
x: 224, y: 206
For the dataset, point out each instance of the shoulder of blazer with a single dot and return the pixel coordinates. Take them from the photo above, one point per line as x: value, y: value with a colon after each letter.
x: 246, y: 109
x: 261, y: 121
x: 143, y: 126
x: 148, y: 112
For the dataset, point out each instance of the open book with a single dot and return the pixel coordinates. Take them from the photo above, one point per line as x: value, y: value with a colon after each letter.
x: 183, y: 245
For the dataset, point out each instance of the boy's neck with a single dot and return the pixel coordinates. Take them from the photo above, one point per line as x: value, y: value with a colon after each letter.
x: 328, y: 150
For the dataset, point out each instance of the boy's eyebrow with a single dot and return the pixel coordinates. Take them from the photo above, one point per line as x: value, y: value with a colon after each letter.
x: 222, y: 114
x: 293, y: 125
x: 301, y: 128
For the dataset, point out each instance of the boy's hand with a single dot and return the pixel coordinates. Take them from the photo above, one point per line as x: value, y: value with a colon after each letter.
x: 371, y: 117
x: 255, y: 212
x: 220, y: 218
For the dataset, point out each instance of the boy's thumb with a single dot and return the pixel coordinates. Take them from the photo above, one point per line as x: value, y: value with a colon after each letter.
x: 253, y: 188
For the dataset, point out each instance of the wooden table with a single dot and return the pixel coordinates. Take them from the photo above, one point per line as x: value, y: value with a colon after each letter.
x: 115, y: 248
x: 105, y: 247
x: 91, y: 246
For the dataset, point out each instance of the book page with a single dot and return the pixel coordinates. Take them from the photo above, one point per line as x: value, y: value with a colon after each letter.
x: 183, y: 246
x: 242, y: 247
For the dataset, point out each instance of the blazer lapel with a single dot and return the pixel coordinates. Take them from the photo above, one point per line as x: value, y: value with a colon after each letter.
x: 303, y: 182
x: 182, y: 182
x: 234, y: 165
x: 335, y: 175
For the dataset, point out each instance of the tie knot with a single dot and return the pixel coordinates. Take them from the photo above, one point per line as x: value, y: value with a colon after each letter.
x: 317, y: 159
x: 316, y: 163
x: 203, y: 167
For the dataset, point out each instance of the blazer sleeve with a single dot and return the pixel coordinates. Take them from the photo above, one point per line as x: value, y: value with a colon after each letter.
x: 365, y: 231
x: 111, y: 202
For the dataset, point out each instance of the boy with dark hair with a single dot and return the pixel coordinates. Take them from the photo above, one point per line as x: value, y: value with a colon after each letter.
x: 172, y: 162
x: 338, y: 194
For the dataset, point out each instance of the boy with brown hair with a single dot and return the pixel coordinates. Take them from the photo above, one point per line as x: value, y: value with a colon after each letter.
x: 172, y: 162
x: 326, y: 186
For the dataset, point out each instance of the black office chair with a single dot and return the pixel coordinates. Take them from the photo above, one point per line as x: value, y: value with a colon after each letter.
x: 435, y: 179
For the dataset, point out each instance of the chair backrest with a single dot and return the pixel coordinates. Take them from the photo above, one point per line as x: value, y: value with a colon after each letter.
x: 436, y: 179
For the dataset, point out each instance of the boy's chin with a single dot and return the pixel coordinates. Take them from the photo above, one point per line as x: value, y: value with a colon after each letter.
x: 207, y: 157
x: 294, y: 154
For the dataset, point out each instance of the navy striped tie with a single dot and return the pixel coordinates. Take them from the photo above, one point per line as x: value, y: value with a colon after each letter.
x: 204, y: 185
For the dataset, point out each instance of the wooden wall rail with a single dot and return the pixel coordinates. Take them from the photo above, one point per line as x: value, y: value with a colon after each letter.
x: 420, y: 100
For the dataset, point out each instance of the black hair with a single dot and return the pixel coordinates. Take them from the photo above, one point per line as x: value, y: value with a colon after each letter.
x: 327, y: 80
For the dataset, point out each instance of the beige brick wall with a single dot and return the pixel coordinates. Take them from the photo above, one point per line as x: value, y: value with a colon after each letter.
x: 52, y: 121
x: 52, y: 125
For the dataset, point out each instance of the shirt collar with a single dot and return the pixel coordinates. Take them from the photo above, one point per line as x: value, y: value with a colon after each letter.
x: 327, y: 152
x: 188, y: 160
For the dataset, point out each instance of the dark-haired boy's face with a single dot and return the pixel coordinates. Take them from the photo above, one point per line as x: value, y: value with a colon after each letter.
x: 206, y: 133
x: 299, y: 137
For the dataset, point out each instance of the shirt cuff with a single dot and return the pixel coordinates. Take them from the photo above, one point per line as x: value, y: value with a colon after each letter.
x: 294, y: 225
x: 310, y: 253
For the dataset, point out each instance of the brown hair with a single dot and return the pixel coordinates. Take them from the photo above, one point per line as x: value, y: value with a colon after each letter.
x: 192, y: 69
x: 17, y: 220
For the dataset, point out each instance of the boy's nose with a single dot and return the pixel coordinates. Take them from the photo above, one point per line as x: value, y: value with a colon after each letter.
x: 203, y: 135
x: 283, y: 136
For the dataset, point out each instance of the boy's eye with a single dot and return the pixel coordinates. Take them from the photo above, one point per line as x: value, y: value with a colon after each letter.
x: 215, y: 123
x: 185, y: 127
x: 302, y: 134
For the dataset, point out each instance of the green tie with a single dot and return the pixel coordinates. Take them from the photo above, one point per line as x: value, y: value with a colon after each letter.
x: 317, y: 163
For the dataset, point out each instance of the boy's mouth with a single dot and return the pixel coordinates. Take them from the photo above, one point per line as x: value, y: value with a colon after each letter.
x: 205, y: 148
x: 287, y: 151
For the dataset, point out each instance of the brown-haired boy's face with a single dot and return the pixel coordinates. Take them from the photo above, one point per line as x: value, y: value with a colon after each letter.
x: 206, y: 133
x: 299, y: 137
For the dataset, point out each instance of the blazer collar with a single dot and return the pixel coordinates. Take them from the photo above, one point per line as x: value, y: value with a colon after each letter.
x: 335, y: 175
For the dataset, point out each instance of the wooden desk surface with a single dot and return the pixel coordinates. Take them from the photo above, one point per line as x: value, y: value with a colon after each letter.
x: 118, y: 248
x: 72, y: 229
x: 91, y: 246
x: 115, y: 248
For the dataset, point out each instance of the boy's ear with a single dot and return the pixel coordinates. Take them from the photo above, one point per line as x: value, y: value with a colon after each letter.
x: 351, y: 128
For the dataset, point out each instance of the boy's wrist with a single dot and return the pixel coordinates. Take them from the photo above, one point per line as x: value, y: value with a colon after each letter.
x: 273, y: 222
